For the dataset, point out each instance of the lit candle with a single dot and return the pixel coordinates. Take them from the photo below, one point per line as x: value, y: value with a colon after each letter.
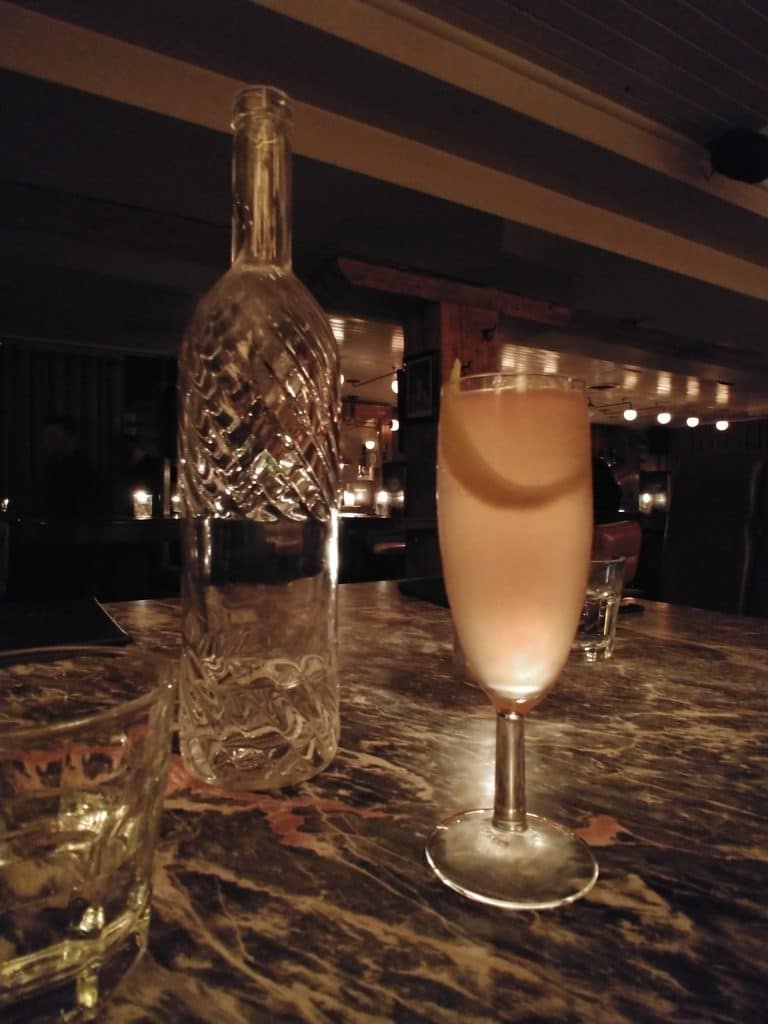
x: 142, y: 505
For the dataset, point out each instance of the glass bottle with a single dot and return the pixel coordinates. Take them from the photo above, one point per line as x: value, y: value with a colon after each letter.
x: 258, y: 475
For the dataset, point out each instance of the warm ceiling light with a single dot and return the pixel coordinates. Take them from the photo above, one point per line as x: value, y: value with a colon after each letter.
x: 394, y: 385
x: 370, y: 445
x: 664, y: 417
x: 551, y: 362
x: 692, y: 421
x: 721, y: 424
x: 395, y: 424
x: 508, y: 358
x: 630, y: 414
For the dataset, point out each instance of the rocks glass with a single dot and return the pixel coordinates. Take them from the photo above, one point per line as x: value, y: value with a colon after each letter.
x: 84, y: 743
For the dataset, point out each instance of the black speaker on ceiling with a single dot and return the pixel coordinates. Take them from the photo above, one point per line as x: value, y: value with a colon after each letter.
x: 741, y: 154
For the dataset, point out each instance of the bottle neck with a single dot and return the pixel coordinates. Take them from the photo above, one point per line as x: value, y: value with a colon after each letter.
x: 261, y: 179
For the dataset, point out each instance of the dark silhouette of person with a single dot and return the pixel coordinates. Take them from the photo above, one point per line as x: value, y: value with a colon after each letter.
x: 67, y: 487
x: 606, y: 492
x: 63, y: 497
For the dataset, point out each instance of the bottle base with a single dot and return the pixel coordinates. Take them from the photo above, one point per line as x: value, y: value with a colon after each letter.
x: 253, y: 770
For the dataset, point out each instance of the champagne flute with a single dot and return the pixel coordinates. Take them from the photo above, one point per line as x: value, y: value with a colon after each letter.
x: 515, y: 523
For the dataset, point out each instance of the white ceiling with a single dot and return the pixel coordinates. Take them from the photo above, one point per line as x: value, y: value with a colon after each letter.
x: 698, y: 68
x: 372, y: 352
x: 616, y: 386
x: 556, y: 151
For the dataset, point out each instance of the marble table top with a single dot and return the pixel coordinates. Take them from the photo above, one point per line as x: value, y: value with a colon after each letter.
x: 316, y: 904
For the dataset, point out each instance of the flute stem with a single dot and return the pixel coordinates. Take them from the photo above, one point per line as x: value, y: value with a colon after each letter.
x: 509, y: 801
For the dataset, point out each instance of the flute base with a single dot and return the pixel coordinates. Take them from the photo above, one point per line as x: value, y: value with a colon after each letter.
x: 541, y: 867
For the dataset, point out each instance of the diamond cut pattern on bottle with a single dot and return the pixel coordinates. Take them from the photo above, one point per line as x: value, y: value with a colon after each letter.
x: 259, y: 427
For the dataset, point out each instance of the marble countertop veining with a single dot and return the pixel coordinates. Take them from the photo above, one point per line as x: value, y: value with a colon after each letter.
x: 316, y: 904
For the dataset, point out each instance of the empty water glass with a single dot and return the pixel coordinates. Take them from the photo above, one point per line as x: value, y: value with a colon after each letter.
x: 596, y: 632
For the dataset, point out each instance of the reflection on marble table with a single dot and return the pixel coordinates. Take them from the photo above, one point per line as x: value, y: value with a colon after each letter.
x: 316, y: 904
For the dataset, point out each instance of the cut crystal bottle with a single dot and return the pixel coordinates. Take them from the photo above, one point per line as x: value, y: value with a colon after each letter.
x: 258, y: 477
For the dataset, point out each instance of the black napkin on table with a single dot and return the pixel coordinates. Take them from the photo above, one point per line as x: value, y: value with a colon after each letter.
x: 25, y: 624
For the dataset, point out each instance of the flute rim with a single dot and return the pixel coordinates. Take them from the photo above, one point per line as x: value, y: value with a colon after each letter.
x: 576, y: 384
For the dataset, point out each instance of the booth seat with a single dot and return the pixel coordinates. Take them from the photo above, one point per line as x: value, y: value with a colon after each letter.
x: 620, y: 538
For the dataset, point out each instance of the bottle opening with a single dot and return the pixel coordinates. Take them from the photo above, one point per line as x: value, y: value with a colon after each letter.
x: 258, y: 101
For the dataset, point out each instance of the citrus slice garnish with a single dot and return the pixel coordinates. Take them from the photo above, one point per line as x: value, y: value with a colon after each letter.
x: 469, y: 464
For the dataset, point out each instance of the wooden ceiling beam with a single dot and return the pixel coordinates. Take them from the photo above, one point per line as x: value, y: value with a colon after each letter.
x: 435, y: 289
x: 582, y: 331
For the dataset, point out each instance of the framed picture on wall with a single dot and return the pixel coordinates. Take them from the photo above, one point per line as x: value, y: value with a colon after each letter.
x: 420, y: 388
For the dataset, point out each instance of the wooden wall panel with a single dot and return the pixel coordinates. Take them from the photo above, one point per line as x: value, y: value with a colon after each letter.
x: 742, y: 437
